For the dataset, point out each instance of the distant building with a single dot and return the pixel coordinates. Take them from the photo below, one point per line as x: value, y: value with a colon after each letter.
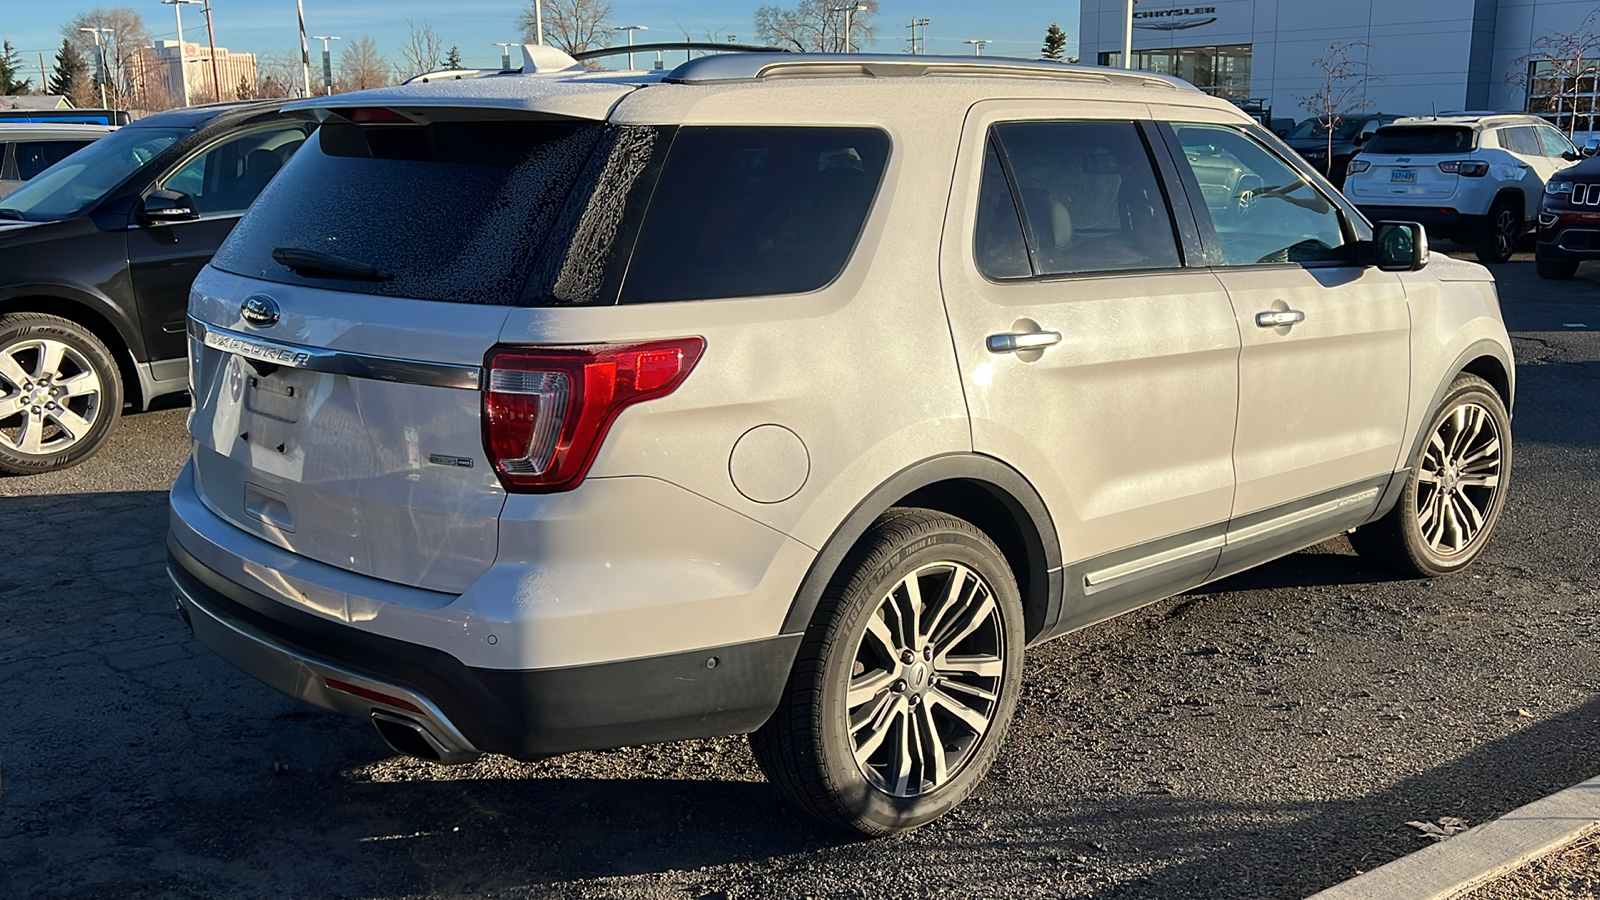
x: 1429, y: 54
x: 35, y: 101
x: 178, y: 70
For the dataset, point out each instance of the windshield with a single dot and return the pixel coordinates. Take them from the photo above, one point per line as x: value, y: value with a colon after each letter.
x: 73, y: 185
x: 1416, y: 140
x: 1312, y: 128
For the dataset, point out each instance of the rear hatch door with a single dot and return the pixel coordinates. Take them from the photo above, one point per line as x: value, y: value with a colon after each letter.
x: 1404, y: 164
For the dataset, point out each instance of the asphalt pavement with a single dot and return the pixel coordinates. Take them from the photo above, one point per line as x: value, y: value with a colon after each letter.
x: 1268, y: 736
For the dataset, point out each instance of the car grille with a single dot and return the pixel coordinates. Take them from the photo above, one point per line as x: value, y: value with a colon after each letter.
x: 1585, y: 194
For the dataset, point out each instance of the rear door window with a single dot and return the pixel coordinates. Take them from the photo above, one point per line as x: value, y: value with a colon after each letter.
x: 754, y: 211
x: 1420, y: 140
x: 1521, y: 140
x: 33, y: 157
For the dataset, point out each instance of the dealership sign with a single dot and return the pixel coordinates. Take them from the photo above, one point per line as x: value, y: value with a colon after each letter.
x: 1174, y: 19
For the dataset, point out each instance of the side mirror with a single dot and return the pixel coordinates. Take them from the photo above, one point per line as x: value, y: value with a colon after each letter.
x: 169, y: 206
x: 1400, y: 246
x: 1571, y: 156
x: 1591, y: 147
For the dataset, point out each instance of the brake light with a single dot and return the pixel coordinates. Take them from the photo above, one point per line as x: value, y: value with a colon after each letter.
x: 546, y: 410
x: 376, y: 115
x: 1357, y: 165
x: 1471, y: 168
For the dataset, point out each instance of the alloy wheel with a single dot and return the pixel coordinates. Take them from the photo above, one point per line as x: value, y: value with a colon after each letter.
x: 50, y: 396
x: 1459, y: 479
x: 1505, y: 232
x: 926, y: 680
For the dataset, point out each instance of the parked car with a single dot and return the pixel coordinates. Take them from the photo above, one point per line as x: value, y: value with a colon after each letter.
x: 27, y: 150
x: 81, y: 116
x: 1473, y: 178
x: 1350, y: 134
x: 705, y: 418
x: 96, y: 257
x: 1569, y: 223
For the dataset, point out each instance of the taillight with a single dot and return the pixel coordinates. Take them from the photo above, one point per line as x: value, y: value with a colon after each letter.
x: 1357, y: 165
x: 546, y: 410
x: 1471, y: 168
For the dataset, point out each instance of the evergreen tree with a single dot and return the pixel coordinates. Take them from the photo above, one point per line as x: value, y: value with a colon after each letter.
x: 71, y: 77
x: 1055, y: 42
x: 10, y: 66
x: 452, y: 60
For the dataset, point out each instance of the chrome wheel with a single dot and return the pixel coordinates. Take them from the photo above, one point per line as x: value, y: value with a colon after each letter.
x: 926, y: 681
x: 50, y: 396
x: 1458, y: 480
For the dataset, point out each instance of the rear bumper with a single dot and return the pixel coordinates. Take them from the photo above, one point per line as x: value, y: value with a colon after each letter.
x: 1451, y: 225
x: 464, y: 710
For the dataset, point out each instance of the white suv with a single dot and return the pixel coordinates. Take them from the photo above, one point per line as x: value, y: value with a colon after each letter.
x: 1477, y: 179
x: 796, y: 395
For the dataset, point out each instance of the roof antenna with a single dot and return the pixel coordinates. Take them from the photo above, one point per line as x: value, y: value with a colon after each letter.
x: 1435, y: 105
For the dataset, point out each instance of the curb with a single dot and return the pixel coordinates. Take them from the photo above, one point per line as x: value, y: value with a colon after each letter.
x: 1479, y: 854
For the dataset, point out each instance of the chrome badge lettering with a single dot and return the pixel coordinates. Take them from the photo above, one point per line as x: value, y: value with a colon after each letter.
x: 272, y: 353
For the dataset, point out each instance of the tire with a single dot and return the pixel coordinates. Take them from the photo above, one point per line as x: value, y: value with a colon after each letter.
x: 1553, y: 267
x: 60, y: 393
x: 913, y: 689
x: 1455, y: 492
x: 1505, y: 227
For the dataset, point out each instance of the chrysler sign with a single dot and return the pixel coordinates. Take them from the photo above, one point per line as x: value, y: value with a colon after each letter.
x: 1175, y: 19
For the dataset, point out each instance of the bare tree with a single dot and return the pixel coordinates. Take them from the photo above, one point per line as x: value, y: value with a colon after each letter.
x: 362, y: 66
x: 572, y: 25
x: 1562, y: 71
x: 1343, y: 90
x: 421, y: 51
x: 121, y: 47
x: 280, y: 74
x: 816, y: 26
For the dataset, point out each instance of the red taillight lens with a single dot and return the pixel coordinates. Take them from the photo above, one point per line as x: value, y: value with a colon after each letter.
x: 1471, y: 168
x: 376, y: 115
x: 546, y: 410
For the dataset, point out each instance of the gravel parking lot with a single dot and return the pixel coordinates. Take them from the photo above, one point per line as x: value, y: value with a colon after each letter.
x: 1267, y: 737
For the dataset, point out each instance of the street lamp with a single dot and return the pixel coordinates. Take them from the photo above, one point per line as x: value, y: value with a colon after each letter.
x: 630, y: 29
x: 977, y: 46
x: 924, y: 25
x: 183, y: 69
x: 327, y: 60
x: 538, y: 26
x: 505, y: 53
x: 848, y: 11
x: 100, y: 57
x: 177, y: 11
x: 1127, y: 37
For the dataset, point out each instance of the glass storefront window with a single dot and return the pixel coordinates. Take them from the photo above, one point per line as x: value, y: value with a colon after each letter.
x: 1571, y: 103
x: 1219, y: 71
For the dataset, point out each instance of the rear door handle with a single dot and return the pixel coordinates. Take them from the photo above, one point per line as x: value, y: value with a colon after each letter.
x: 1028, y: 340
x: 1277, y: 317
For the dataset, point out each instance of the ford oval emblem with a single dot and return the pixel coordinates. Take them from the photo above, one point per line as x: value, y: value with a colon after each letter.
x: 259, y: 310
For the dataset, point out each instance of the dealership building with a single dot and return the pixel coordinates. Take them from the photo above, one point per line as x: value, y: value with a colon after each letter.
x: 1424, y: 55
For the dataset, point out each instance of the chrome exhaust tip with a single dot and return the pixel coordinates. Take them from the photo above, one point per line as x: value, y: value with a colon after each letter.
x: 409, y: 737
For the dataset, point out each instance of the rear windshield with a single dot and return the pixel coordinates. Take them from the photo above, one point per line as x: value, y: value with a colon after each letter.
x: 536, y: 213
x: 1420, y: 140
x: 1344, y: 131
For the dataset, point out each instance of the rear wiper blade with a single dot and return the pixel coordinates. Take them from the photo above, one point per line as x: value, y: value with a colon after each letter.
x: 316, y: 263
x: 7, y: 212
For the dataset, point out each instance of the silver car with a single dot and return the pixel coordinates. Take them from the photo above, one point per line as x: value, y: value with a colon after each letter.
x: 796, y: 395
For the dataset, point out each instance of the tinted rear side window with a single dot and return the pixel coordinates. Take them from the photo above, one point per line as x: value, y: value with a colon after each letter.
x: 1420, y: 139
x: 1521, y: 140
x: 454, y: 211
x: 752, y: 211
x: 34, y: 157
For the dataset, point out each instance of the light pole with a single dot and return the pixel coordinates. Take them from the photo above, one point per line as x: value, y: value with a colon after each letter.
x: 977, y: 46
x: 1127, y: 37
x: 327, y: 60
x: 505, y: 53
x: 630, y: 29
x: 848, y: 11
x: 100, y: 57
x: 183, y: 69
x: 538, y: 24
x: 211, y: 41
x: 923, y: 23
x: 305, y: 51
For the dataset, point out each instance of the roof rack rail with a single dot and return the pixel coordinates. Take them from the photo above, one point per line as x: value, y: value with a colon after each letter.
x: 759, y: 66
x: 621, y: 49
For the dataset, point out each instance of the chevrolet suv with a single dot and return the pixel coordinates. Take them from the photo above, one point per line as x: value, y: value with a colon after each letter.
x: 1476, y: 179
x: 558, y: 410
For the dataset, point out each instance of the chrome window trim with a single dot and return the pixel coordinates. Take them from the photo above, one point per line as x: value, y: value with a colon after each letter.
x: 337, y: 362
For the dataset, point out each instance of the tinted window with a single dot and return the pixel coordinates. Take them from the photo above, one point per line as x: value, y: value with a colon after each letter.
x: 34, y: 157
x: 453, y: 211
x: 228, y: 175
x: 1418, y: 140
x: 997, y: 242
x: 1346, y: 130
x: 77, y: 182
x: 1089, y: 197
x: 1520, y: 140
x: 1553, y: 142
x: 1263, y: 211
x: 743, y: 212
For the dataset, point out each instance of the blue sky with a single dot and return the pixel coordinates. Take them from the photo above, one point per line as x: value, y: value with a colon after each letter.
x: 1015, y: 28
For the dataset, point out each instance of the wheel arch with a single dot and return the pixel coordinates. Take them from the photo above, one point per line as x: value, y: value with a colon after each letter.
x: 120, y: 336
x: 979, y: 489
x: 1516, y: 196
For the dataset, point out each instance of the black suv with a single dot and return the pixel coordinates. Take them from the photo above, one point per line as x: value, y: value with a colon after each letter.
x: 96, y: 257
x: 1310, y: 140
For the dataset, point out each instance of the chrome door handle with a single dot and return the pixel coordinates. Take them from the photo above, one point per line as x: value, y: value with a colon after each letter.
x: 1278, y: 317
x: 1027, y: 340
